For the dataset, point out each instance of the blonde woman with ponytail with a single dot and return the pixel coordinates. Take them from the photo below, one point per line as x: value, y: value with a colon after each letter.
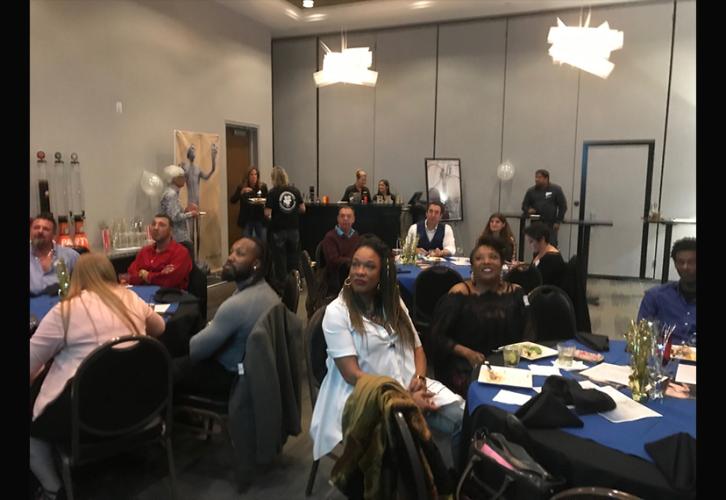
x: 97, y: 309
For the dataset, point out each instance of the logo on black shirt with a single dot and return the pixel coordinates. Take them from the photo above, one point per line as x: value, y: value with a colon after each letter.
x: 287, y: 202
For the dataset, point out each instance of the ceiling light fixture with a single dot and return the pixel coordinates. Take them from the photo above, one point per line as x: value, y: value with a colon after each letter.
x: 421, y: 4
x: 308, y: 4
x: 346, y: 66
x: 584, y: 47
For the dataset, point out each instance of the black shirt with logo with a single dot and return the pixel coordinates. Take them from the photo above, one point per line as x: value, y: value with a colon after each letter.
x: 284, y: 202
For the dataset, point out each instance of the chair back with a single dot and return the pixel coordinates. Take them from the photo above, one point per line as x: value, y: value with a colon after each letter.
x: 291, y: 292
x: 319, y: 256
x: 573, y: 283
x: 120, y: 388
x: 198, y: 288
x: 527, y: 276
x: 316, y: 353
x: 411, y: 468
x: 311, y: 284
x: 592, y: 492
x: 432, y: 284
x: 553, y: 314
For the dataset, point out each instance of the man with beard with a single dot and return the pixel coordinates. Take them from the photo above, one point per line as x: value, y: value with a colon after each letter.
x: 165, y: 262
x: 44, y: 255
x: 216, y: 351
x: 674, y: 304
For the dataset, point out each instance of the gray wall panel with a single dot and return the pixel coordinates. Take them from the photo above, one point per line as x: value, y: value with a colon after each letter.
x: 294, y: 94
x: 469, y: 115
x: 679, y: 177
x: 346, y: 125
x: 631, y: 102
x: 539, y: 115
x: 404, y: 107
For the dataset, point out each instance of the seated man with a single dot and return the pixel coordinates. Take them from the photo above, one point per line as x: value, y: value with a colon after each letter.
x: 214, y: 352
x: 338, y: 246
x: 44, y: 254
x: 165, y: 262
x: 434, y: 239
x: 674, y: 303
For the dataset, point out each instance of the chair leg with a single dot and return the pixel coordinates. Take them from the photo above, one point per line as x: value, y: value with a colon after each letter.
x: 311, y: 478
x: 67, y: 479
x: 170, y: 463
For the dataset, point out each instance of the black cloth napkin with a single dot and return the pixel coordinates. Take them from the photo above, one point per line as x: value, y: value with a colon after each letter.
x: 675, y: 457
x: 547, y: 411
x: 594, y: 341
x: 168, y: 295
x: 586, y: 401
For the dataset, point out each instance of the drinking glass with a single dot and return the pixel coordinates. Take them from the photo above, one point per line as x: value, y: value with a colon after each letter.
x: 511, y: 355
x: 565, y: 354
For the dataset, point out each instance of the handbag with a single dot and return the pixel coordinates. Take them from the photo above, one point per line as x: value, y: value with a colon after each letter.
x: 501, y: 469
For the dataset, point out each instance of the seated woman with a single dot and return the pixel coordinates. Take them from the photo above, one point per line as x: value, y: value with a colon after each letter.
x: 384, y: 191
x: 547, y: 258
x: 96, y: 310
x: 497, y: 225
x: 367, y: 330
x: 476, y: 317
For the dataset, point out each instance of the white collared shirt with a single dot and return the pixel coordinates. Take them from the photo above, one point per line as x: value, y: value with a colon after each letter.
x: 449, y: 243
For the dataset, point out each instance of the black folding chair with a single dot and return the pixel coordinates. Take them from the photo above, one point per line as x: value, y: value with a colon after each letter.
x: 120, y: 400
x: 291, y: 292
x: 553, y: 314
x: 198, y: 288
x: 432, y: 284
x: 573, y: 283
x: 315, y: 357
x: 412, y: 479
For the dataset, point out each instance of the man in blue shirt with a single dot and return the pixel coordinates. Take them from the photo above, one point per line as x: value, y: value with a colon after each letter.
x: 44, y: 255
x: 338, y: 246
x: 675, y: 303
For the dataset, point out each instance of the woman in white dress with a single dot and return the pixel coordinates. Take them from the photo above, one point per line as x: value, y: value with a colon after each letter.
x: 368, y: 330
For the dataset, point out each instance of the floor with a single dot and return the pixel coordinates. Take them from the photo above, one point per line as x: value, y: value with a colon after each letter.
x: 205, y: 468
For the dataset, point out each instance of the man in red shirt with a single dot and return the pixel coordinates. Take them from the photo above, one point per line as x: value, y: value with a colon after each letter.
x: 165, y: 262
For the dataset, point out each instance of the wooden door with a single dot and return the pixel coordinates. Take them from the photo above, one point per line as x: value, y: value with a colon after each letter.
x: 238, y: 163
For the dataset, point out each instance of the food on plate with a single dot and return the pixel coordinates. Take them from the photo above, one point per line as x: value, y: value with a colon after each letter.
x: 493, y: 376
x: 591, y: 357
x: 530, y: 350
x: 683, y: 352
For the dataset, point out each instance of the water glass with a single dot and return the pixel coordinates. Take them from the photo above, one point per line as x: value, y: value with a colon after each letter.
x: 511, y: 354
x: 565, y: 354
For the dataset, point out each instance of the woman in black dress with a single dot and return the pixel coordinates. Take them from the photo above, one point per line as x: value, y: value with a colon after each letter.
x: 251, y: 217
x: 547, y: 258
x: 476, y: 317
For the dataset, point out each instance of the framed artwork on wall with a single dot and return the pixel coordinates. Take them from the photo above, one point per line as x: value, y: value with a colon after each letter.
x: 443, y: 184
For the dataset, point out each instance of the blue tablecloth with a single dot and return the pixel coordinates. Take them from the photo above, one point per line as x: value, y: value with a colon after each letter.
x: 39, y: 306
x: 407, y: 273
x: 678, y: 415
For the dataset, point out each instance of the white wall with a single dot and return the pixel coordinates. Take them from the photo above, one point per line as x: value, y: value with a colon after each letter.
x: 173, y: 65
x: 499, y: 96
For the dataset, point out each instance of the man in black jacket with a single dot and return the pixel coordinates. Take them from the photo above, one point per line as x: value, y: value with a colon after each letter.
x: 548, y: 201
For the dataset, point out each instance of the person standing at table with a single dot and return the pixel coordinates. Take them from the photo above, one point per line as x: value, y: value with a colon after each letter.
x: 283, y: 208
x: 546, y: 200
x: 215, y: 352
x: 172, y: 208
x: 674, y: 303
x: 251, y: 217
x: 434, y: 239
x: 165, y: 262
x: 477, y: 316
x: 96, y: 310
x: 338, y: 245
x: 44, y: 255
x: 358, y: 192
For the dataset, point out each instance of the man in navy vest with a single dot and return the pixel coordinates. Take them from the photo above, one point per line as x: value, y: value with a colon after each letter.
x: 434, y: 239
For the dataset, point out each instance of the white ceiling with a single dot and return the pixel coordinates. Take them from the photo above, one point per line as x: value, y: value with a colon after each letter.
x: 286, y: 20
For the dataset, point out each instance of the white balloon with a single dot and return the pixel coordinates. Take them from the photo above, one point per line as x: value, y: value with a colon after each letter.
x: 151, y: 184
x: 505, y: 171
